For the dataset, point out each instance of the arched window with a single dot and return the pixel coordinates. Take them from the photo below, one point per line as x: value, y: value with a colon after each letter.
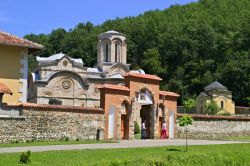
x: 222, y: 105
x: 106, y: 53
x: 116, y: 52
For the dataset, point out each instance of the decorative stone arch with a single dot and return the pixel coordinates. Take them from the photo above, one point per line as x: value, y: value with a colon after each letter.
x: 118, y: 68
x: 105, y: 46
x: 82, y: 99
x: 82, y: 80
x: 221, y: 101
x: 126, y: 120
x: 148, y: 90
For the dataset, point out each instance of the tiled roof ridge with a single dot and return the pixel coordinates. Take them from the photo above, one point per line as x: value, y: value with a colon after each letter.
x: 53, y: 107
x: 23, y: 39
x: 115, y: 87
x: 4, y: 89
x: 168, y: 93
x: 146, y: 76
x: 205, y: 116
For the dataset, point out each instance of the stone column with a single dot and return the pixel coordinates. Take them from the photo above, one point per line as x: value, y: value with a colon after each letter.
x: 132, y: 114
x: 118, y: 123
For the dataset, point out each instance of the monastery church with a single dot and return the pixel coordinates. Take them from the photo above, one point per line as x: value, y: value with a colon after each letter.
x: 63, y: 98
x: 66, y: 79
x: 125, y: 96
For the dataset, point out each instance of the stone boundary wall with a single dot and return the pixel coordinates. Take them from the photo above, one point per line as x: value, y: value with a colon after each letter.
x: 50, y: 122
x: 242, y: 110
x: 211, y: 126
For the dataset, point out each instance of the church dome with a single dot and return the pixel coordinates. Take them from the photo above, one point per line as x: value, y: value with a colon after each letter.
x: 215, y: 86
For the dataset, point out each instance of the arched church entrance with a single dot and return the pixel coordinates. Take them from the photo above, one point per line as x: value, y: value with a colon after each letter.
x: 145, y: 117
x: 125, y: 119
x: 145, y: 99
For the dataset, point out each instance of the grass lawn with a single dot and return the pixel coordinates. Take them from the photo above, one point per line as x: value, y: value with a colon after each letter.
x: 44, y: 143
x: 210, y: 155
x: 243, y: 138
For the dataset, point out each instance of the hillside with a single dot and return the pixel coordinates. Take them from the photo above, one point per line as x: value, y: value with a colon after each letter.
x: 188, y: 46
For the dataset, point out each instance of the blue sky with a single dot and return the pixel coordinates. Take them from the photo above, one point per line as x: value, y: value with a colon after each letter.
x: 22, y: 17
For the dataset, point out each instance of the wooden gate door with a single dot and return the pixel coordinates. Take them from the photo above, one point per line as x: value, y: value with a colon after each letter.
x: 123, y: 126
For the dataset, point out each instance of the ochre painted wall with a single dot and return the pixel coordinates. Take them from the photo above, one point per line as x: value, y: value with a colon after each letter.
x: 10, y: 71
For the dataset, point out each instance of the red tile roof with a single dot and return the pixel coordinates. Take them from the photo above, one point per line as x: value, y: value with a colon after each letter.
x: 167, y: 93
x: 5, y: 89
x: 47, y: 107
x: 114, y: 87
x: 9, y: 39
x: 216, y: 117
x: 146, y: 76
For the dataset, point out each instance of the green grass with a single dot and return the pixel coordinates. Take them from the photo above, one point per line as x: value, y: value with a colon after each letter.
x: 209, y: 155
x: 44, y: 143
x: 243, y: 138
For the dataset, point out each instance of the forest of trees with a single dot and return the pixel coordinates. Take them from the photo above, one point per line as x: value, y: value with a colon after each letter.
x: 188, y: 46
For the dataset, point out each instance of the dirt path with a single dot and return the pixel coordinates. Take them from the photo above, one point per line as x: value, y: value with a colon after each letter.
x: 122, y: 144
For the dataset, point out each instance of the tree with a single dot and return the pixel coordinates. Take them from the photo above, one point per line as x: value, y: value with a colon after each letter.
x: 151, y: 62
x: 184, y: 122
x: 185, y: 45
x: 189, y: 104
x: 212, y: 108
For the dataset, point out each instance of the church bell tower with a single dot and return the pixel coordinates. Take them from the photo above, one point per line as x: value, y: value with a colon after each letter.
x: 112, y: 49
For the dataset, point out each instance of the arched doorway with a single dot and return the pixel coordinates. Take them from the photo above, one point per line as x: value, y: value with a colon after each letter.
x: 145, y: 117
x: 145, y: 99
x: 125, y: 119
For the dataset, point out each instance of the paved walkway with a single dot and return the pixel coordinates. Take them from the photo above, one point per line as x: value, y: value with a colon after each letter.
x: 122, y: 144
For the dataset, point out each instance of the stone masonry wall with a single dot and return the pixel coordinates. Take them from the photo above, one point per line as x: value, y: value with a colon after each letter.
x: 215, y: 128
x: 51, y: 125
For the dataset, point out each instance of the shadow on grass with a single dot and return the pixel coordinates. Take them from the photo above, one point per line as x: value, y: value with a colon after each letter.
x: 173, y: 150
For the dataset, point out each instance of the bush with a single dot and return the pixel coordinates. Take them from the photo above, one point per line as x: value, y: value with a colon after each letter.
x: 223, y: 113
x: 137, y: 128
x: 212, y: 108
x: 67, y: 139
x: 25, y: 157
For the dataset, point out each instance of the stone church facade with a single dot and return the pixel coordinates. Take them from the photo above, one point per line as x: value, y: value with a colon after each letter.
x: 60, y: 77
x: 218, y: 93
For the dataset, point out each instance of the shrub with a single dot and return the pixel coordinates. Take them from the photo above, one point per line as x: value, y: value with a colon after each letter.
x: 67, y: 139
x: 137, y: 128
x: 25, y: 157
x: 223, y: 113
x: 212, y: 108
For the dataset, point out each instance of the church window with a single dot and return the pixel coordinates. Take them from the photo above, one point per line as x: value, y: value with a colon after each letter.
x: 222, y: 105
x: 106, y: 52
x: 116, y: 52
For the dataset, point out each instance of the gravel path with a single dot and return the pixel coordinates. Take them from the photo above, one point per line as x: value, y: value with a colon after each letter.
x: 122, y: 144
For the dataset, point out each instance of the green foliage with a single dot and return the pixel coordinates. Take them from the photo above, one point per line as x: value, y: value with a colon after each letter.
x: 185, y: 121
x: 212, y: 108
x: 151, y: 62
x: 25, y: 157
x: 137, y: 128
x: 248, y: 100
x: 189, y: 104
x: 223, y: 113
x: 188, y: 46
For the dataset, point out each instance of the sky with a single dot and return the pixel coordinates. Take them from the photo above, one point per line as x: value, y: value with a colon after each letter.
x: 21, y: 17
